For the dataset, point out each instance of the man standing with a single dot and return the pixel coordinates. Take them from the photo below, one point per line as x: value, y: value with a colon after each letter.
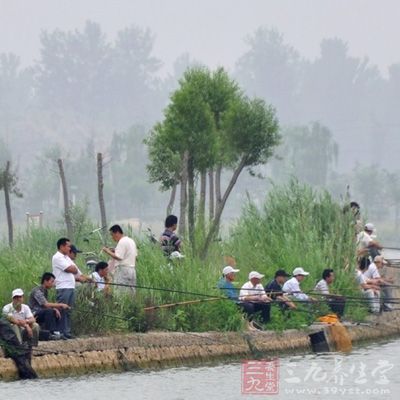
x: 47, y: 314
x: 125, y: 255
x: 21, y: 318
x: 170, y: 242
x: 64, y: 271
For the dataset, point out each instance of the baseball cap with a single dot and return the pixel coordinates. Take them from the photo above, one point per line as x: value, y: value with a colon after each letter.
x: 74, y: 249
x: 255, y: 274
x: 369, y: 227
x: 300, y: 271
x: 380, y: 259
x: 17, y: 292
x: 281, y: 272
x: 228, y: 269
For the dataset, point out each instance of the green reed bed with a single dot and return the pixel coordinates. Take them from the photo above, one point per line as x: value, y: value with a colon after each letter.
x: 296, y: 227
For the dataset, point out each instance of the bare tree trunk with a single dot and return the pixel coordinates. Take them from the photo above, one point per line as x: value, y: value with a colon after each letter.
x: 218, y: 196
x: 100, y: 187
x: 183, y: 200
x: 8, y: 204
x: 171, y: 200
x: 215, y: 223
x: 191, y: 198
x: 211, y: 193
x: 112, y: 192
x: 67, y: 214
x: 202, y: 201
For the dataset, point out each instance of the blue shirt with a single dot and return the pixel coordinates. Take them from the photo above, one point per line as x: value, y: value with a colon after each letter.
x: 228, y: 288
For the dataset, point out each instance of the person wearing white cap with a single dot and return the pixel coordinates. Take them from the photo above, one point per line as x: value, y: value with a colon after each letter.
x: 367, y: 243
x: 373, y: 275
x: 21, y: 318
x: 226, y: 283
x: 292, y: 286
x: 253, y: 298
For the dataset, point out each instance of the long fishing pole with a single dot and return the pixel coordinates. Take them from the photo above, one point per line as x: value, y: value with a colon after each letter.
x: 357, y: 298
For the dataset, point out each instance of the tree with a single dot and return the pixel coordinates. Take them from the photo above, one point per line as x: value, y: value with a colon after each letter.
x: 307, y: 152
x: 100, y: 187
x: 272, y: 70
x: 8, y: 183
x: 72, y: 71
x: 67, y: 205
x: 251, y: 134
x: 209, y: 125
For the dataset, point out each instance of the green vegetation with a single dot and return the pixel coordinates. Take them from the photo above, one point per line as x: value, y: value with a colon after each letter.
x: 295, y: 227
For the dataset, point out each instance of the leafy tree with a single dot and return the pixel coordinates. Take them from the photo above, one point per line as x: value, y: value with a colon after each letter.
x: 307, y: 152
x: 210, y: 125
x: 271, y: 69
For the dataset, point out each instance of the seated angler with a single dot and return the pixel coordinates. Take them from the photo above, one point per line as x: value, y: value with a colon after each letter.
x: 292, y: 286
x: 226, y: 285
x: 47, y: 314
x: 254, y: 300
x: 336, y: 303
x: 274, y: 290
x: 369, y: 288
x: 21, y: 318
x: 101, y: 278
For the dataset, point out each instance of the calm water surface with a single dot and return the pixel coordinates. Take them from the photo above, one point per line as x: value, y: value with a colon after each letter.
x: 367, y: 373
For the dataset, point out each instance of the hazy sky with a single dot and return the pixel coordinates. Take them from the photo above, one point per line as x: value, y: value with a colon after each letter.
x: 212, y: 31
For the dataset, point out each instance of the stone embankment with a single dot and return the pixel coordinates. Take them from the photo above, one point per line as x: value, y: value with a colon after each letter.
x: 171, y: 349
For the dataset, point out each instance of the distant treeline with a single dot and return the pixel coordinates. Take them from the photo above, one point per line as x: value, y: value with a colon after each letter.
x: 85, y: 92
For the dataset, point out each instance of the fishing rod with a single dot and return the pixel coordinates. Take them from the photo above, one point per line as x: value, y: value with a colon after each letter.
x: 181, y: 303
x: 358, y: 298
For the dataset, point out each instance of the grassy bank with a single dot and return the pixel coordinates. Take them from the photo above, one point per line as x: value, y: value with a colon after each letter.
x: 295, y: 227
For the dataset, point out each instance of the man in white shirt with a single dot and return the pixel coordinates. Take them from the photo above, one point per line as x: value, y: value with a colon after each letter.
x: 368, y: 287
x: 125, y: 260
x: 21, y: 319
x: 373, y: 274
x: 253, y: 299
x: 292, y: 286
x: 336, y: 303
x: 322, y: 287
x: 367, y: 243
x: 65, y: 271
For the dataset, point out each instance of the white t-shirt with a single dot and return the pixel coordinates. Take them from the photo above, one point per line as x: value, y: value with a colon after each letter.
x: 360, y: 278
x: 363, y: 240
x: 292, y: 287
x: 99, y: 280
x: 372, y: 272
x: 64, y: 280
x: 248, y: 289
x: 322, y: 287
x: 10, y: 311
x: 126, y: 250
